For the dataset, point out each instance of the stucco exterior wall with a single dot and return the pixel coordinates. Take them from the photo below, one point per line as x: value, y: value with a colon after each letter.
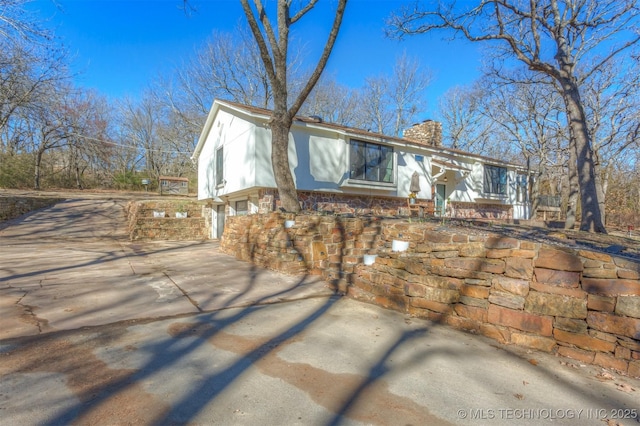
x: 237, y: 137
x: 319, y: 161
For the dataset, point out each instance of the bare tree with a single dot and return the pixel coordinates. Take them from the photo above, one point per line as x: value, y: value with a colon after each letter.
x: 552, y: 37
x: 529, y: 116
x: 612, y: 105
x: 465, y: 125
x: 273, y: 44
x: 16, y: 22
x: 159, y: 134
x: 409, y: 81
x: 375, y: 97
x: 391, y: 102
x: 335, y: 103
x: 88, y: 147
x: 228, y: 66
x: 623, y: 199
x: 49, y: 126
x: 26, y: 71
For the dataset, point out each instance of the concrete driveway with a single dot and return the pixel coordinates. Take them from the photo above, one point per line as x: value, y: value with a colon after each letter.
x: 95, y: 329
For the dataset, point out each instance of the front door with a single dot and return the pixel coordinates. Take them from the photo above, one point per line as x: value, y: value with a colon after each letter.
x: 220, y: 221
x: 441, y: 189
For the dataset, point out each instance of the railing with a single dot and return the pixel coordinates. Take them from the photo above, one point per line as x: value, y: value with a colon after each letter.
x: 549, y: 201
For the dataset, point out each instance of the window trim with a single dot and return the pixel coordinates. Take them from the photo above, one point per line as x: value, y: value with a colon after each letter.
x: 239, y: 212
x: 498, y: 189
x: 219, y: 170
x: 359, y: 182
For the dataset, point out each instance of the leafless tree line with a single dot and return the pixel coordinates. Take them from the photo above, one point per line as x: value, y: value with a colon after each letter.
x: 564, y: 43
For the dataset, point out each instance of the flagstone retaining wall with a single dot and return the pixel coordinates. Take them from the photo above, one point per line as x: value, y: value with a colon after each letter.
x: 578, y: 303
x: 12, y: 207
x: 327, y: 202
x: 143, y: 225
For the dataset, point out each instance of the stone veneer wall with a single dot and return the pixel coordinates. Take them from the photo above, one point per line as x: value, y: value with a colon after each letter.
x: 317, y: 244
x: 428, y: 132
x: 462, y: 210
x: 578, y: 303
x: 144, y: 226
x: 12, y: 207
x: 337, y: 203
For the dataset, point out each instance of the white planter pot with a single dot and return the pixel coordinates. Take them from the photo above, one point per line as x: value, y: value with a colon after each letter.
x: 370, y: 259
x: 181, y: 215
x: 398, y: 245
x: 158, y: 214
x: 289, y: 223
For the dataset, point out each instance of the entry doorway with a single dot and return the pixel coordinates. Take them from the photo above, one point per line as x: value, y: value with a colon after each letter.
x: 441, y: 190
x: 220, y: 209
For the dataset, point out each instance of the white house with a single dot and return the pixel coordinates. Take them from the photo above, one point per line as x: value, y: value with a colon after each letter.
x: 342, y: 169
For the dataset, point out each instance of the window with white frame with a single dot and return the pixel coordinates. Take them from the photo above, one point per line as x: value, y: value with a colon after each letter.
x: 371, y: 162
x: 220, y: 166
x: 495, y: 180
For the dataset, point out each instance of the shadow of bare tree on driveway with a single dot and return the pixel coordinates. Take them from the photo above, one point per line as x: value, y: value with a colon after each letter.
x: 249, y: 346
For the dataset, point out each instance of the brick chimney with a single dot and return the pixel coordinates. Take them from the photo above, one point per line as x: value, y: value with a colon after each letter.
x: 428, y: 132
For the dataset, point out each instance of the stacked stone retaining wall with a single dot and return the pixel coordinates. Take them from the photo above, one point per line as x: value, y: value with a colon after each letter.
x: 578, y: 303
x: 314, y: 244
x: 143, y: 224
x: 12, y: 207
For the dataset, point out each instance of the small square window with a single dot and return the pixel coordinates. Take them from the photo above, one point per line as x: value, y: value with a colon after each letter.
x: 242, y: 208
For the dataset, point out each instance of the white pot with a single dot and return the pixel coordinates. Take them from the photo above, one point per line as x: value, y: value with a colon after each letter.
x: 289, y: 223
x: 370, y: 259
x: 181, y: 215
x: 158, y: 214
x: 398, y: 245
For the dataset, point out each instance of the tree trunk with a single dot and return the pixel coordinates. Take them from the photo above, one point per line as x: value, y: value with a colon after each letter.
x: 573, y: 185
x: 36, y: 177
x: 535, y: 196
x: 280, y: 160
x: 78, y: 178
x: 602, y: 180
x: 591, y: 218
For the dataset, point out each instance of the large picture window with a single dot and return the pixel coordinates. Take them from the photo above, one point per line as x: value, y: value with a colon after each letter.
x: 219, y: 166
x: 495, y: 180
x: 371, y: 162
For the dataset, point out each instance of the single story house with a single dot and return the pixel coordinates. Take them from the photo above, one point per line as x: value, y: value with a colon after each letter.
x: 343, y: 169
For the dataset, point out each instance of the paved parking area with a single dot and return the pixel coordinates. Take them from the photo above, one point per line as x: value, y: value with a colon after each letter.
x: 71, y: 265
x: 95, y: 329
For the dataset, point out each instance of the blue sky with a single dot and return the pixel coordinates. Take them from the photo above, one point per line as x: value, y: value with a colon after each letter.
x: 120, y: 46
